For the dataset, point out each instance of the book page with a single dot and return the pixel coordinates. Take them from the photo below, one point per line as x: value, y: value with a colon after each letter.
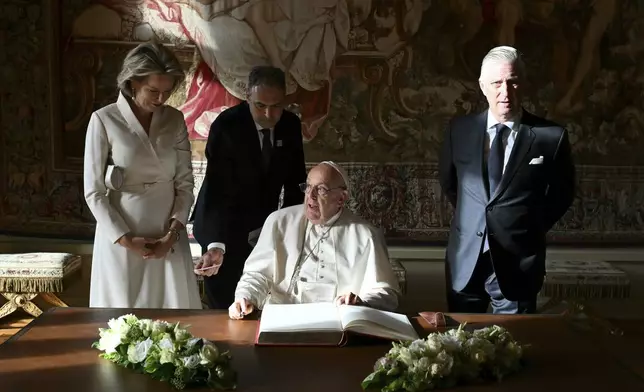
x: 300, y: 318
x: 370, y: 321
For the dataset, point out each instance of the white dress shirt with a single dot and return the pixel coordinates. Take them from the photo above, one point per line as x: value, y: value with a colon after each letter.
x: 221, y: 245
x: 508, y: 138
x: 261, y: 136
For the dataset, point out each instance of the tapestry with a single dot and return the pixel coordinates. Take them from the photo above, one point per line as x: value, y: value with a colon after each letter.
x: 373, y: 81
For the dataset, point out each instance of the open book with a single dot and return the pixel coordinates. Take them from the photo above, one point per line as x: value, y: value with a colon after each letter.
x: 327, y: 324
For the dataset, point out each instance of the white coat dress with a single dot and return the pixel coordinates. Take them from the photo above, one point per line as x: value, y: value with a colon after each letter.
x: 158, y: 186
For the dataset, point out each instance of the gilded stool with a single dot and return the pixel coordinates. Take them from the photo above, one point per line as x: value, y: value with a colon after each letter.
x: 25, y: 276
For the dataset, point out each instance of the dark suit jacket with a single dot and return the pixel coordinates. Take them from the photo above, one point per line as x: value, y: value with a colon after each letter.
x: 237, y: 194
x: 530, y: 199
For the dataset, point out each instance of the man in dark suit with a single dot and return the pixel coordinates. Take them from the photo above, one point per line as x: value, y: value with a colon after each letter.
x: 510, y: 177
x: 253, y: 150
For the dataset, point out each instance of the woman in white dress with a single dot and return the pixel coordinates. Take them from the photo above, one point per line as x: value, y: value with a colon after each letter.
x: 139, y: 186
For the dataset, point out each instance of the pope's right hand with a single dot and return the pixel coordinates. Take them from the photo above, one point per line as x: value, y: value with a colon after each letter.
x: 240, y: 308
x: 210, y: 262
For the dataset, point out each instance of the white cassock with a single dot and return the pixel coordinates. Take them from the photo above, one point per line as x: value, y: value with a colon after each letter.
x: 346, y: 255
x: 158, y: 185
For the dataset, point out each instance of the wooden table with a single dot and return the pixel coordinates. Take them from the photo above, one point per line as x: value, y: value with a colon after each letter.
x: 53, y: 353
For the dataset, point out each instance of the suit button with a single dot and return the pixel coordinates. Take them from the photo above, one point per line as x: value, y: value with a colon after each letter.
x: 479, y: 234
x: 490, y: 209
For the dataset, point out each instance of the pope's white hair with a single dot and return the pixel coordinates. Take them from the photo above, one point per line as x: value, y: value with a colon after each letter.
x: 503, y: 54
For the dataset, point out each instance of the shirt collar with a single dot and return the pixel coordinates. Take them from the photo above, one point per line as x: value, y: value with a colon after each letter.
x: 259, y: 128
x: 492, y: 121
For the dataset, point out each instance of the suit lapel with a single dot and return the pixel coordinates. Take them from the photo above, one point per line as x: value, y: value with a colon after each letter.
x: 479, y: 156
x: 250, y: 130
x: 276, y: 151
x: 522, y: 145
x: 278, y: 142
x: 135, y: 125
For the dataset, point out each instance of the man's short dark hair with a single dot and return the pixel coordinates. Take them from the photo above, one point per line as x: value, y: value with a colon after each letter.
x: 268, y: 76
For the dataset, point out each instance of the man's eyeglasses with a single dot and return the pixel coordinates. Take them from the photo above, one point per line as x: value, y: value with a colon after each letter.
x: 320, y: 190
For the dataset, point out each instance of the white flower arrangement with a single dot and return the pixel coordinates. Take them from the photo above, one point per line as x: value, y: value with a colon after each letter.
x: 446, y: 359
x: 166, y: 352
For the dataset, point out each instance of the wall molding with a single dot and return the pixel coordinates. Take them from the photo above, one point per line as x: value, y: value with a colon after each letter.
x: 9, y: 244
x: 437, y: 253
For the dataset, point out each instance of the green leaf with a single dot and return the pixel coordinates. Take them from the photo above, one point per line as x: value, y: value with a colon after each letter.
x: 122, y: 349
x: 373, y: 381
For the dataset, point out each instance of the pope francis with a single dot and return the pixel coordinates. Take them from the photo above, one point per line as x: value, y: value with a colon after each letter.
x: 318, y: 252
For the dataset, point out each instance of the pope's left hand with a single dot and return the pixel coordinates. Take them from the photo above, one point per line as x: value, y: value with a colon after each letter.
x: 348, y: 299
x: 161, y: 247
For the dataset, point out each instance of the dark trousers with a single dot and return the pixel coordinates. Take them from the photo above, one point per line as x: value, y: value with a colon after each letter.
x: 220, y: 288
x: 483, y: 290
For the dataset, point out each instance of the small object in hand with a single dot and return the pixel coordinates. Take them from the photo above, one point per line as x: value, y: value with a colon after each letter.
x: 207, y: 268
x: 435, y: 319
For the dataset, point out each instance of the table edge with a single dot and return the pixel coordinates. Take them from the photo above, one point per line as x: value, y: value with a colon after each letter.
x: 26, y: 328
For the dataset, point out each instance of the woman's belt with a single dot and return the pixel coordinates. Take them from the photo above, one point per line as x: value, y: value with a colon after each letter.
x: 140, y: 187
